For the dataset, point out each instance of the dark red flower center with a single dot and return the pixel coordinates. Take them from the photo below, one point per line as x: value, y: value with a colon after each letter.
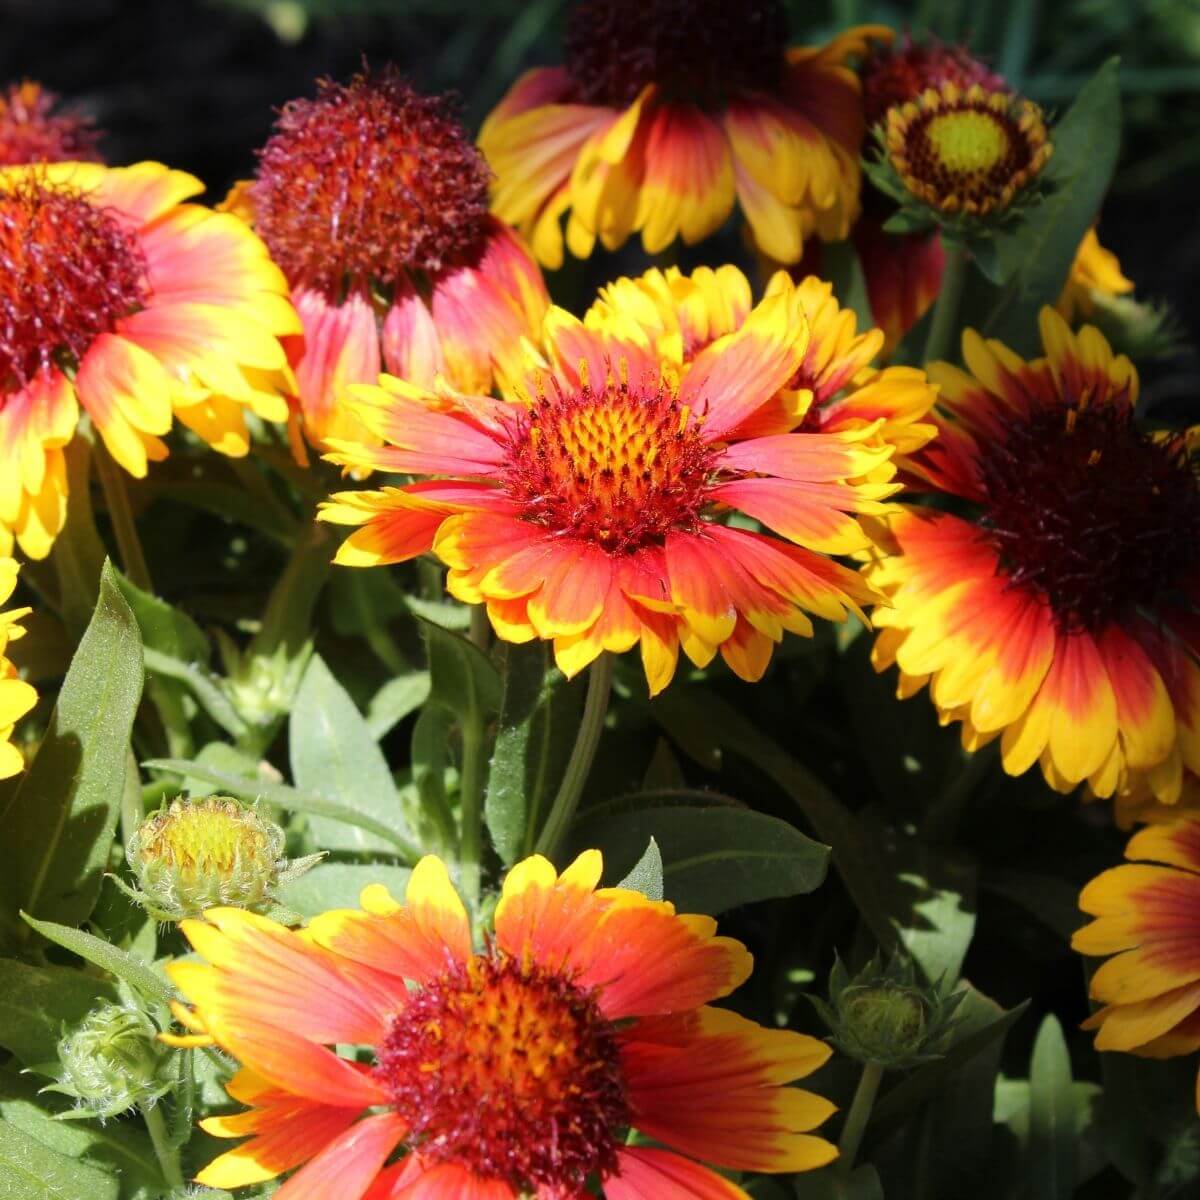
x: 511, y: 1071
x: 620, y: 465
x: 892, y: 76
x: 699, y: 50
x: 34, y: 129
x: 1095, y: 515
x: 69, y: 271
x: 367, y: 182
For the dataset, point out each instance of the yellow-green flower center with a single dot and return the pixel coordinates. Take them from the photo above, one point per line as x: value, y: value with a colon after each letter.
x: 968, y: 141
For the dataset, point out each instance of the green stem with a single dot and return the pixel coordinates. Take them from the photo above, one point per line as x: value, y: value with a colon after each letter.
x: 595, y: 707
x: 168, y: 1158
x: 945, y: 310
x: 473, y: 770
x: 858, y: 1116
x: 112, y: 480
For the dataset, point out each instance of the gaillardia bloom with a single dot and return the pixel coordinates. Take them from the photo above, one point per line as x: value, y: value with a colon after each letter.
x: 1147, y: 915
x: 518, y: 1070
x: 374, y: 202
x: 1058, y: 612
x: 584, y: 511
x: 962, y: 155
x: 118, y: 297
x: 16, y: 696
x: 667, y: 111
x: 1095, y: 274
x: 35, y: 128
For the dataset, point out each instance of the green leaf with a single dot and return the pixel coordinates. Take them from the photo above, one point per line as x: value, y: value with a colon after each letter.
x: 338, y: 885
x: 713, y: 858
x: 430, y: 760
x: 58, y: 827
x: 1036, y: 253
x: 334, y: 755
x: 1051, y: 1116
x: 120, y: 1148
x: 646, y: 875
x: 694, y: 715
x: 831, y: 1183
x: 30, y: 1170
x: 539, y: 717
x: 102, y: 954
x: 844, y: 270
x: 463, y: 678
x: 78, y: 553
x: 36, y: 1002
x: 398, y: 698
x: 163, y: 627
x: 282, y: 796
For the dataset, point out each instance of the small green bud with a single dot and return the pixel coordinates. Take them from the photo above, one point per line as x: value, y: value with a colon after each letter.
x: 112, y: 1062
x: 885, y: 1016
x: 196, y: 854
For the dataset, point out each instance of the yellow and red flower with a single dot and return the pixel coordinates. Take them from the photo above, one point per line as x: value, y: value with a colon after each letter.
x: 34, y: 128
x: 668, y: 112
x: 16, y: 696
x: 374, y: 202
x: 117, y: 296
x: 1059, y: 611
x: 1147, y: 916
x: 517, y: 1070
x: 583, y: 511
x: 1095, y: 272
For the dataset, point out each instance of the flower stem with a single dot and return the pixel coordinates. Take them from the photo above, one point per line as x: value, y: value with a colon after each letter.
x: 112, y: 480
x: 471, y: 789
x: 945, y: 310
x: 168, y: 1157
x: 595, y: 707
x: 858, y: 1116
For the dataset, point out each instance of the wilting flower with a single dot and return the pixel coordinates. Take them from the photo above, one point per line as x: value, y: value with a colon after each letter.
x: 195, y: 854
x: 667, y: 111
x: 374, y: 202
x: 16, y: 696
x: 583, y: 512
x: 35, y: 128
x: 118, y: 297
x: 515, y: 1071
x: 1095, y: 273
x: 961, y: 158
x: 1147, y: 915
x: 1059, y: 612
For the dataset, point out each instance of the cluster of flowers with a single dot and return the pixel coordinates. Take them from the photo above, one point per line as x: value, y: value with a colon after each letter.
x: 679, y: 468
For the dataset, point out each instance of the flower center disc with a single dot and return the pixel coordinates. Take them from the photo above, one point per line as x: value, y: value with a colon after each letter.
x: 69, y: 271
x: 968, y: 143
x: 512, y: 1072
x: 699, y: 50
x: 366, y: 182
x: 1096, y: 516
x: 620, y: 467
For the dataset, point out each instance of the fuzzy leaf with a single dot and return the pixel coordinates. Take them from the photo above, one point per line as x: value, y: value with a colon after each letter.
x: 37, y: 1002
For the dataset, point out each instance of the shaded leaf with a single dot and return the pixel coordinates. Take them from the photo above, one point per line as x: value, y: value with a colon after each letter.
x: 36, y: 1003
x: 1051, y: 1116
x: 339, y: 885
x: 396, y: 700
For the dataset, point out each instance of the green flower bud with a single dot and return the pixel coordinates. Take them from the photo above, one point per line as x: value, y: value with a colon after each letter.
x: 885, y: 1016
x: 111, y: 1062
x: 196, y: 854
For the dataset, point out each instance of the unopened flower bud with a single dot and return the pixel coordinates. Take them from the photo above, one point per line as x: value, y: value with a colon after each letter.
x: 196, y: 854
x: 111, y: 1062
x: 885, y: 1016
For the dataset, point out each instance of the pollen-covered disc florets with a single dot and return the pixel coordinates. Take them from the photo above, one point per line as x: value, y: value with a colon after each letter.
x: 966, y: 152
x: 1090, y: 512
x: 69, y: 270
x: 619, y: 465
x: 195, y: 854
x: 510, y: 1069
x: 35, y: 129
x: 696, y: 50
x: 368, y: 181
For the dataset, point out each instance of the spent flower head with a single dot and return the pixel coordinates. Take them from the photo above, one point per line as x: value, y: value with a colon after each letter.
x: 195, y: 854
